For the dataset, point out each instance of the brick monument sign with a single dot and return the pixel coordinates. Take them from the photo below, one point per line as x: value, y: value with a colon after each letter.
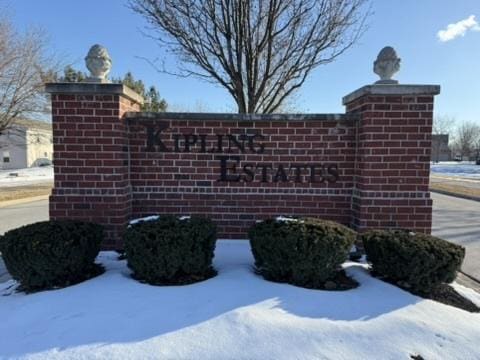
x: 367, y: 168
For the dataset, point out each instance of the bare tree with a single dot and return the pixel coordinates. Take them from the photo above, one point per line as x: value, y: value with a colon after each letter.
x: 261, y: 51
x: 23, y: 70
x: 476, y: 145
x: 467, y: 136
x: 443, y: 124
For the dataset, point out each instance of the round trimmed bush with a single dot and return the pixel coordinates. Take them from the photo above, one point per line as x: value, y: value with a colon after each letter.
x: 306, y: 252
x: 52, y: 254
x: 414, y: 261
x: 170, y: 250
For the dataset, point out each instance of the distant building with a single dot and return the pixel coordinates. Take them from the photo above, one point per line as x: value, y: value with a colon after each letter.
x: 440, y: 149
x: 26, y: 143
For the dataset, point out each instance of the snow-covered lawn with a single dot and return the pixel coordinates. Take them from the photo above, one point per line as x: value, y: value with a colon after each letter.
x: 25, y: 176
x: 463, y: 169
x: 235, y: 315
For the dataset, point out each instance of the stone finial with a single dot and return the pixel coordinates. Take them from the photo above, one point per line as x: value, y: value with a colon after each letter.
x: 386, y: 65
x: 98, y: 63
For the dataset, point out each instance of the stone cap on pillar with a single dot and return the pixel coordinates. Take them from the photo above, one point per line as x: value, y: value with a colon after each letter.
x: 94, y: 89
x: 391, y: 89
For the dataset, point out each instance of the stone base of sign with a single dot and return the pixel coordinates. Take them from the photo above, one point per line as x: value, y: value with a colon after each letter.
x: 366, y: 168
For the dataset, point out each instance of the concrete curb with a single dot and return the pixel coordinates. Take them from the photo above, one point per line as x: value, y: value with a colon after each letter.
x: 449, y: 193
x: 472, y: 278
x: 23, y: 200
x: 468, y: 281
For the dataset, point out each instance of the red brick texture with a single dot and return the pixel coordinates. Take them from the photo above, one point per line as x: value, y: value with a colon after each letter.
x: 91, y: 180
x: 190, y: 182
x: 391, y: 185
x: 367, y: 168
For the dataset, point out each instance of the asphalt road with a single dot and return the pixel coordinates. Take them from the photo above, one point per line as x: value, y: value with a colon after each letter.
x: 458, y: 220
x: 14, y: 216
x: 454, y: 219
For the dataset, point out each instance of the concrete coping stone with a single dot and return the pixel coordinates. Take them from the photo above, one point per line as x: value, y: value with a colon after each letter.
x: 391, y: 89
x: 94, y: 89
x: 146, y: 116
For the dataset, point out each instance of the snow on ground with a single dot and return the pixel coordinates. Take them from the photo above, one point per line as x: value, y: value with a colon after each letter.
x: 460, y: 169
x: 235, y: 315
x: 153, y: 218
x: 27, y: 176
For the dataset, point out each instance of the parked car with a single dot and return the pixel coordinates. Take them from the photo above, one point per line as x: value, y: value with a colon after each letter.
x: 42, y: 162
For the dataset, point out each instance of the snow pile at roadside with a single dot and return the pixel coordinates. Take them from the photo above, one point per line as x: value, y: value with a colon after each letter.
x: 468, y: 170
x: 235, y: 315
x: 27, y: 176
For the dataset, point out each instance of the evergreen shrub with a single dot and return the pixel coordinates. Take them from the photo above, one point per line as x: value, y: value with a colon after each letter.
x: 52, y: 254
x: 415, y: 261
x: 171, y: 250
x: 301, y: 251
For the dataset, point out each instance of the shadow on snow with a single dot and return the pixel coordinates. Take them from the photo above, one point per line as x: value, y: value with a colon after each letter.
x: 114, y: 308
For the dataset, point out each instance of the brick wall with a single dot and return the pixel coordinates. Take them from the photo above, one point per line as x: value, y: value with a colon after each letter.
x: 366, y: 168
x: 393, y: 156
x: 288, y: 176
x: 91, y: 176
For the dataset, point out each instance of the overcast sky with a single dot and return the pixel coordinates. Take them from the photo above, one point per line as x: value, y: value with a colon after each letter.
x: 438, y: 41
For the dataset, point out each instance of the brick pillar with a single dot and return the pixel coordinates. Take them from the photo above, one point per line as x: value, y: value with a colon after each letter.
x: 392, y: 169
x: 91, y: 160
